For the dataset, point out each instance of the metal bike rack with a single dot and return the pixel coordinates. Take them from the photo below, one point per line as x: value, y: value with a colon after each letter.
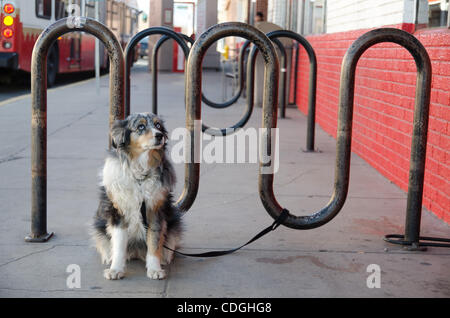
x: 312, y: 81
x: 283, y: 77
x: 297, y: 51
x: 39, y: 108
x: 154, y: 65
x: 194, y: 90
x: 250, y: 77
x: 344, y: 135
x: 128, y: 56
x: 238, y: 94
x: 188, y: 39
x: 248, y: 110
x: 180, y: 39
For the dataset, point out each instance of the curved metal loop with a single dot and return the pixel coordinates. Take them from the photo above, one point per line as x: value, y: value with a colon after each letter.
x: 312, y: 81
x: 154, y: 64
x: 134, y: 41
x: 344, y: 134
x: 194, y: 88
x: 39, y: 107
x: 235, y: 98
x: 250, y: 75
x: 206, y: 129
x: 238, y: 94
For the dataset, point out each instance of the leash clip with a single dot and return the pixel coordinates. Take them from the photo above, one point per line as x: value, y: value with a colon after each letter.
x: 280, y: 219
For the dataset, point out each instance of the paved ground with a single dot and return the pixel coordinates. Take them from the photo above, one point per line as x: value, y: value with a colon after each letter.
x: 20, y: 85
x: 329, y: 261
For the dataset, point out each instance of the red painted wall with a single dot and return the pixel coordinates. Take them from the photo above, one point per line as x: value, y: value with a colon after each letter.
x: 384, y: 102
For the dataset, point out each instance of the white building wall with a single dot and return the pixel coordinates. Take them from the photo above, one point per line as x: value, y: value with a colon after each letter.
x: 346, y: 15
x: 277, y: 12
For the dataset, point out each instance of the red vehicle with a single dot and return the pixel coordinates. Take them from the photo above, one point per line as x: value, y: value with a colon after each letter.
x: 23, y: 20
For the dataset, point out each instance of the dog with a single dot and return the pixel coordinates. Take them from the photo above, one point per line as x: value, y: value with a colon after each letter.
x: 136, y: 217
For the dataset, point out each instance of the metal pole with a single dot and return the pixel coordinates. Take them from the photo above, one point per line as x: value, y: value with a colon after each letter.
x: 39, y: 109
x: 283, y: 69
x: 252, y: 12
x: 416, y: 12
x: 297, y: 52
x: 194, y: 92
x: 97, y: 55
x: 344, y: 134
x: 154, y: 65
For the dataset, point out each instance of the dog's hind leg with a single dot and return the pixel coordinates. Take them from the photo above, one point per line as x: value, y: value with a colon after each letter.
x: 103, y: 246
x: 119, y: 242
x: 155, y: 241
x: 171, y: 242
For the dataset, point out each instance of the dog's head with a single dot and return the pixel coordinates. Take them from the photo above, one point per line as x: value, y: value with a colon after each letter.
x: 138, y: 133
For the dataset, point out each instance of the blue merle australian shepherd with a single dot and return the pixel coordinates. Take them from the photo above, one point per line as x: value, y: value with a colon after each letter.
x: 136, y: 217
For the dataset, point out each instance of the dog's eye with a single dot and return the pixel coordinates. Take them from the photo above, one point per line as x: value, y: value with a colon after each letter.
x: 141, y: 127
x: 158, y: 126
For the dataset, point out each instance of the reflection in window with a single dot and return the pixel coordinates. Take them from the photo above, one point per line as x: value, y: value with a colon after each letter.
x: 44, y: 9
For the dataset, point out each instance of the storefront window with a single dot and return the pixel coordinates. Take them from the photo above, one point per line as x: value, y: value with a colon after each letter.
x: 438, y: 13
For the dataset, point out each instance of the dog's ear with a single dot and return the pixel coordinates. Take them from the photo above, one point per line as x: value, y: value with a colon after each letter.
x: 120, y: 134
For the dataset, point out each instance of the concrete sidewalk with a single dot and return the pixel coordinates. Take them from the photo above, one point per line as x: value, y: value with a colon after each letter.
x: 330, y: 261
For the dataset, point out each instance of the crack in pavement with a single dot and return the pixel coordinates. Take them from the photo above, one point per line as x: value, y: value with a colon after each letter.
x: 26, y: 255
x: 226, y: 202
x: 295, y: 178
x: 81, y: 290
x: 13, y: 156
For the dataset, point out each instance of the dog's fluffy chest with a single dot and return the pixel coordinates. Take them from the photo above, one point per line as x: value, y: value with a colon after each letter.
x: 127, y: 193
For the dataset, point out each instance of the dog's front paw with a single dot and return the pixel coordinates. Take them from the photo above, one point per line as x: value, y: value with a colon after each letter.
x: 156, y: 274
x: 113, y: 274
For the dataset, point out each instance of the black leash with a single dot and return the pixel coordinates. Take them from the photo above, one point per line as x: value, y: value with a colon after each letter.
x: 279, y: 220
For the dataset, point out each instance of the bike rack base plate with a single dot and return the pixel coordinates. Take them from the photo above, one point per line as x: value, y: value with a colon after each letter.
x: 424, y: 241
x: 40, y: 239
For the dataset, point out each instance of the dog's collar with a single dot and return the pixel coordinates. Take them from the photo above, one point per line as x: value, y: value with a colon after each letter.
x: 145, y: 176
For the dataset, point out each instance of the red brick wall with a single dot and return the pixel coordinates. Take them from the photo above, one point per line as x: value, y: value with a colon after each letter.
x: 383, y: 109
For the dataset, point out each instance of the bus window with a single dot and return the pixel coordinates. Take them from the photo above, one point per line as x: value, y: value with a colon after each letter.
x: 44, y: 9
x: 60, y: 9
